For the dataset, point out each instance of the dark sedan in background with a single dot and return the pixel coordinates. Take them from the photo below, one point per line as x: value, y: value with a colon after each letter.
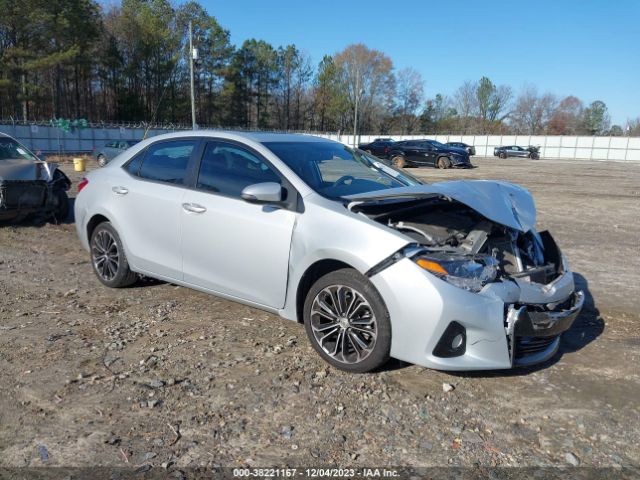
x: 380, y: 147
x: 111, y: 150
x: 471, y: 150
x: 516, y: 151
x: 419, y: 153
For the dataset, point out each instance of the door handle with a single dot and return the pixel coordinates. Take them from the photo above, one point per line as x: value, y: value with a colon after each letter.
x: 120, y: 190
x: 193, y: 208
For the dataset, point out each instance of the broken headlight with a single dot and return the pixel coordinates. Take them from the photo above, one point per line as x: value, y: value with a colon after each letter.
x: 468, y: 273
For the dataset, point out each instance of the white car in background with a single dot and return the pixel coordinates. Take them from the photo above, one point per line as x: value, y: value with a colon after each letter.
x: 375, y: 263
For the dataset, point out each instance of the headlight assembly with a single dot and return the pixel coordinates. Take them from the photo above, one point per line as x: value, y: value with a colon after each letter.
x: 468, y: 273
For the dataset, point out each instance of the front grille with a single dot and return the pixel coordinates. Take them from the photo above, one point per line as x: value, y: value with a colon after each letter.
x: 526, y: 346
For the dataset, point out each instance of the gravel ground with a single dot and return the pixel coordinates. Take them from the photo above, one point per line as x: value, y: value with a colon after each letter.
x: 164, y: 376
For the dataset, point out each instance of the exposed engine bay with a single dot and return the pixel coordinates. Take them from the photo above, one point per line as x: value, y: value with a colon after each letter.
x: 449, y: 231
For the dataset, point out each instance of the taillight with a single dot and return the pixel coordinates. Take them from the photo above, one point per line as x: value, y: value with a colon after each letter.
x: 83, y: 183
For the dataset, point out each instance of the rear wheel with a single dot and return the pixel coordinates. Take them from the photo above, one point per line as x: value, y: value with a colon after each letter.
x: 443, y: 162
x: 108, y: 259
x: 347, y: 322
x: 398, y: 161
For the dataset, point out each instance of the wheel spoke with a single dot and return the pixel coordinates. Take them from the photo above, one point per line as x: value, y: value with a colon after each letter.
x: 355, y: 344
x: 327, y: 309
x: 371, y: 333
x: 327, y: 335
x: 336, y: 301
x: 338, y: 343
x: 324, y: 327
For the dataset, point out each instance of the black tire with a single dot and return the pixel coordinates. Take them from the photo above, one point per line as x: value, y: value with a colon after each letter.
x: 61, y: 212
x: 112, y: 273
x: 102, y: 160
x: 443, y: 163
x: 376, y: 334
x: 533, y: 156
x: 368, y: 151
x: 503, y: 155
x: 398, y: 161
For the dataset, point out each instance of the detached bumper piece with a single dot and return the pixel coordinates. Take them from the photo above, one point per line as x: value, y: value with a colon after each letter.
x: 533, y: 331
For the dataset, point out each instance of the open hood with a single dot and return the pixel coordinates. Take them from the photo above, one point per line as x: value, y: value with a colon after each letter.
x: 501, y: 202
x: 26, y: 170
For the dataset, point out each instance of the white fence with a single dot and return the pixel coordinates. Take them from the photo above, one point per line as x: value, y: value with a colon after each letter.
x: 562, y: 147
x: 49, y: 139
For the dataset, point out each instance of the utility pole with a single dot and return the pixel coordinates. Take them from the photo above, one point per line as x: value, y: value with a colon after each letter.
x: 192, y: 54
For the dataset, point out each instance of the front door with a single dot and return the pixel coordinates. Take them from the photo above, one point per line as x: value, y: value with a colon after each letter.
x: 231, y: 246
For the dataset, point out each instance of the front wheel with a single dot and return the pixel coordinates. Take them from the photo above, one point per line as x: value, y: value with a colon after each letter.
x: 108, y: 259
x: 443, y: 162
x: 398, y: 161
x: 503, y: 155
x: 534, y: 156
x: 62, y: 208
x: 347, y: 322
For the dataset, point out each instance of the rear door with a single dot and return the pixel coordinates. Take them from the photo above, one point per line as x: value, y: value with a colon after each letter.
x: 430, y: 153
x: 231, y: 246
x: 414, y: 152
x: 147, y: 203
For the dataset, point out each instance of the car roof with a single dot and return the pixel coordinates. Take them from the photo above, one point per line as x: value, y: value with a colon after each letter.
x: 259, y: 137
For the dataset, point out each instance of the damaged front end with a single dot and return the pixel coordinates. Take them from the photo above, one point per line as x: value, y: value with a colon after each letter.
x: 489, y: 251
x: 32, y: 187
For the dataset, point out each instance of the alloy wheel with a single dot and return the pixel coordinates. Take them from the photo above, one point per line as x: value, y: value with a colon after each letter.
x: 343, y: 324
x: 105, y: 255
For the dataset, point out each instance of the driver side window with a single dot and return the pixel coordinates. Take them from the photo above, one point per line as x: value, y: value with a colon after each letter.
x: 227, y: 169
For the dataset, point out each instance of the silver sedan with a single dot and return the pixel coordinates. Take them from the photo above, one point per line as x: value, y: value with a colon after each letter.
x: 375, y: 263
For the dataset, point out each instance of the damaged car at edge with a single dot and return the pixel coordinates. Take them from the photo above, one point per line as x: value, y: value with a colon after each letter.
x: 376, y: 264
x: 29, y: 186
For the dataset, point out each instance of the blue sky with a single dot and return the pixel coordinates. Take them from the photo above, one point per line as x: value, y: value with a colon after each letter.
x: 587, y: 48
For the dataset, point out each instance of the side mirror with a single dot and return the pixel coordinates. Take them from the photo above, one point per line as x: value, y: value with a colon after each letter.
x: 267, y: 192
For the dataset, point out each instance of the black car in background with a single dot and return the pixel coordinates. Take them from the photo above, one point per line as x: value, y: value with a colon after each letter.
x: 419, y: 153
x: 380, y: 147
x: 471, y: 150
x: 516, y: 151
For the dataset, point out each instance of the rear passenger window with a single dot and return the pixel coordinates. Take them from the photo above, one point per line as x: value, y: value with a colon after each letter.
x: 228, y: 169
x: 167, y: 161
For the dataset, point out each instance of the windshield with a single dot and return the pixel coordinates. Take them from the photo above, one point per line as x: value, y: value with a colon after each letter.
x: 335, y: 171
x: 11, y: 150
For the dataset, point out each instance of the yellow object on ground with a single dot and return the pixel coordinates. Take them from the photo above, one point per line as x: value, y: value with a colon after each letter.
x: 79, y: 164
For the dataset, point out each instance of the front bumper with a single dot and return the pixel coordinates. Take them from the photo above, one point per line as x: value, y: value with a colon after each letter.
x: 421, y: 307
x: 534, y: 331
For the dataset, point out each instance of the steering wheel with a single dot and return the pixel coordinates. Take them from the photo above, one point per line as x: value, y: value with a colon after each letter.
x: 343, y: 180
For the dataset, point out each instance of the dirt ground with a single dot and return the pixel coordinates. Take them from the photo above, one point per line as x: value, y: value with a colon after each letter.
x: 167, y: 377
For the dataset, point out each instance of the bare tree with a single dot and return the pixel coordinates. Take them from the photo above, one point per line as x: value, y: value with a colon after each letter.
x: 465, y: 100
x: 409, y: 94
x: 532, y: 112
x: 367, y: 78
x: 567, y: 117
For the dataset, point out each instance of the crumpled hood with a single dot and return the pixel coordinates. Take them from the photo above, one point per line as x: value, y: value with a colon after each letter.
x: 26, y: 170
x: 501, y: 202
